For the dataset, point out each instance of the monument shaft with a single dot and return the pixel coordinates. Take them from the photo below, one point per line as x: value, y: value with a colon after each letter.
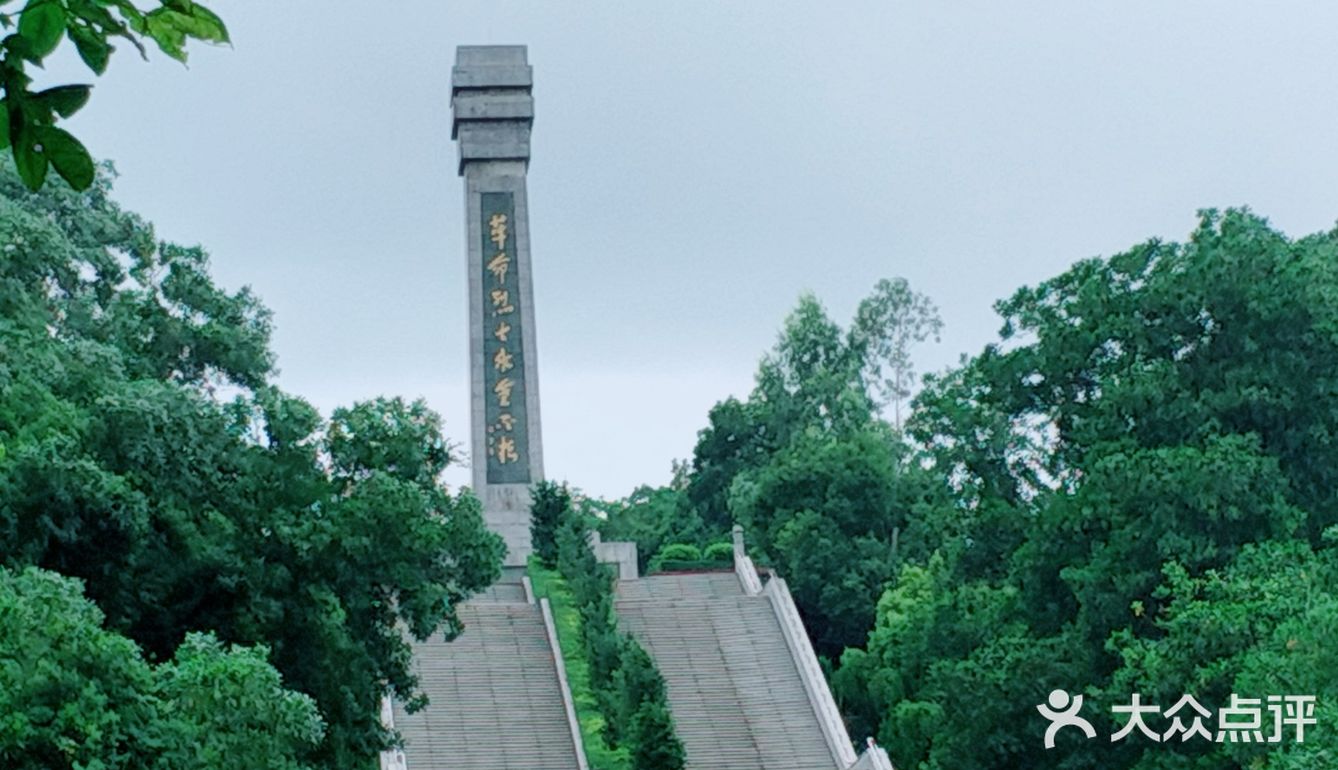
x: 493, y: 111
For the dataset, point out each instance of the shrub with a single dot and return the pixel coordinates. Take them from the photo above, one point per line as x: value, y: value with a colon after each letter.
x: 679, y: 552
x: 654, y: 745
x: 628, y: 689
x: 722, y: 552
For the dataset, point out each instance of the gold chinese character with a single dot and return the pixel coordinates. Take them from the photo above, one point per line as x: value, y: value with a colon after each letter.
x: 503, y: 361
x: 497, y: 229
x: 501, y: 302
x: 506, y: 421
x: 506, y: 450
x: 503, y: 391
x: 501, y: 331
x: 498, y: 266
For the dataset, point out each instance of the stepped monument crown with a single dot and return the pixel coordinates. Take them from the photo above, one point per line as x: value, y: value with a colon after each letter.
x: 492, y: 114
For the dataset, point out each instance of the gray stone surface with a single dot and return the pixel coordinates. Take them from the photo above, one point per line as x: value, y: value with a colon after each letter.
x: 737, y: 699
x: 491, y: 66
x: 496, y: 702
x: 616, y: 552
x: 573, y: 722
x: 475, y: 105
x: 493, y: 111
x: 810, y: 671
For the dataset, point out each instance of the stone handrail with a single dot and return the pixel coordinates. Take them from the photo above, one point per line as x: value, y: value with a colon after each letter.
x: 806, y: 661
x: 744, y: 567
x: 570, y: 707
x: 529, y: 588
x: 747, y: 572
x: 873, y: 758
x: 391, y: 759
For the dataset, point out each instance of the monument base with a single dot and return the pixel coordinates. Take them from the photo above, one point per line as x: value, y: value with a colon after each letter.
x: 506, y: 511
x: 514, y: 527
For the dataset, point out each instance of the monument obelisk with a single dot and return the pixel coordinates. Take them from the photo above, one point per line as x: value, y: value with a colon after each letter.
x: 493, y: 111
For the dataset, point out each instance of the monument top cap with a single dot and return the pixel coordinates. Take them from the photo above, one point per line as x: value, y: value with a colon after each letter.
x: 490, y: 54
x: 491, y: 66
x: 492, y: 108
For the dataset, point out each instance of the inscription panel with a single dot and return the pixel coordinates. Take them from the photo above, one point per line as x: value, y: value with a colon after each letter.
x: 507, y: 430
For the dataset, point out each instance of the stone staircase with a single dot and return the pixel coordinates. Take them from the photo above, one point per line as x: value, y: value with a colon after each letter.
x: 495, y: 699
x: 737, y: 698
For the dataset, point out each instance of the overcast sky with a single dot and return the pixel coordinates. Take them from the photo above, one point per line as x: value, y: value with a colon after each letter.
x: 696, y: 166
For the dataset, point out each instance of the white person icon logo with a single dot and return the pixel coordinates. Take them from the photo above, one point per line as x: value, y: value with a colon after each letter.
x: 1242, y: 721
x: 1063, y: 712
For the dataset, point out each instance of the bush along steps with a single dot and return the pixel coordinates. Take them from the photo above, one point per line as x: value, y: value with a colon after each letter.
x: 686, y: 557
x: 617, y: 677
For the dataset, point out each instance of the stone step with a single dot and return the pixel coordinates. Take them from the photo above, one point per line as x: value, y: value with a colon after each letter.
x: 737, y: 699
x: 695, y: 585
x: 495, y: 701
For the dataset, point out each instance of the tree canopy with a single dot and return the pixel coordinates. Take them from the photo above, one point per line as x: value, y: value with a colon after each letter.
x: 145, y: 450
x: 75, y: 694
x: 822, y: 483
x: 1143, y: 502
x: 1131, y: 491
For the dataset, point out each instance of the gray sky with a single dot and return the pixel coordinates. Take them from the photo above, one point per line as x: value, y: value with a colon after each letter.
x: 696, y: 166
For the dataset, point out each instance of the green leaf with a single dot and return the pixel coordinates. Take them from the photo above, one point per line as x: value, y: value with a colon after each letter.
x: 93, y: 48
x: 164, y: 28
x: 65, y: 100
x: 205, y: 25
x: 68, y: 155
x: 4, y: 124
x: 30, y: 162
x: 134, y: 22
x: 22, y: 48
x: 41, y: 24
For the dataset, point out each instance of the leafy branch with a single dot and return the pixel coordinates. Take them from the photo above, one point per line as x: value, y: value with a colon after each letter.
x: 28, y: 118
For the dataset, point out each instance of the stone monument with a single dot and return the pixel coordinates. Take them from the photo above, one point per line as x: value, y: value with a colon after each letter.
x: 493, y: 111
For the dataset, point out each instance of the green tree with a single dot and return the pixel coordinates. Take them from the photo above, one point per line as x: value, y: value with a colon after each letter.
x: 28, y: 118
x: 827, y: 511
x: 822, y: 484
x: 1143, y: 471
x: 76, y: 695
x: 736, y: 437
x: 147, y: 452
x: 812, y: 378
x: 888, y: 323
x: 655, y: 746
x: 551, y: 504
x: 1262, y: 625
x: 652, y: 517
x: 809, y: 382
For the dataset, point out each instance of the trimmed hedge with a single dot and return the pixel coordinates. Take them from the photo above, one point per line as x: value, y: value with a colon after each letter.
x: 674, y: 565
x: 550, y: 585
x: 683, y: 557
x: 627, y: 688
x: 681, y: 552
x: 723, y: 552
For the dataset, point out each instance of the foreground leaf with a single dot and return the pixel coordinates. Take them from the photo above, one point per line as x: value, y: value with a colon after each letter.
x: 93, y: 48
x: 30, y: 161
x: 68, y: 155
x: 65, y: 100
x: 42, y: 24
